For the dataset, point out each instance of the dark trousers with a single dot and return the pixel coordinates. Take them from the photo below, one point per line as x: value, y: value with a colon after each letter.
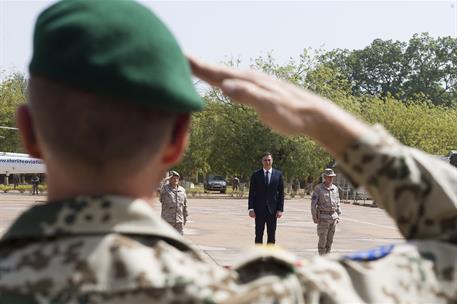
x: 34, y: 188
x: 262, y: 219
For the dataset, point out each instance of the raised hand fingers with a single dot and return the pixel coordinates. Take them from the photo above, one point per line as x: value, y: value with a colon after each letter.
x: 246, y: 92
x: 214, y: 74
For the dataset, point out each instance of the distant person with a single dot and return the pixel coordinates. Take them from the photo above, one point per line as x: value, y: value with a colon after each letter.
x: 296, y: 185
x: 326, y: 211
x: 266, y: 199
x: 15, y: 180
x: 35, y: 182
x: 235, y: 184
x: 174, y: 203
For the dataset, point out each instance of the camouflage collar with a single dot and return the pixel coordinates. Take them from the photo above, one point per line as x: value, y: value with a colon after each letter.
x: 332, y: 187
x: 168, y: 187
x: 90, y: 216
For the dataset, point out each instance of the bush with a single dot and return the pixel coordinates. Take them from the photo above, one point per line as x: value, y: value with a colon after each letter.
x: 23, y: 188
x: 42, y: 188
x: 192, y: 192
x: 5, y: 188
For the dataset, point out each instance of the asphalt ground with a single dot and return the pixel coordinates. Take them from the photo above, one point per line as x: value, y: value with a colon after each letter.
x: 220, y: 226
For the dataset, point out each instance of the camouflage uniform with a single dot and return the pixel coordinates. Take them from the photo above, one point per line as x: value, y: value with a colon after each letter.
x: 174, y: 206
x: 325, y: 209
x: 113, y: 249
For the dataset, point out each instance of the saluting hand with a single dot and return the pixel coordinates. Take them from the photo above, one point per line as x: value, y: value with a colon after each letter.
x: 279, y: 104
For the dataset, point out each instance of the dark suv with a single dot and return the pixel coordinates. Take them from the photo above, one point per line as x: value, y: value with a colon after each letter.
x: 216, y: 183
x: 453, y: 158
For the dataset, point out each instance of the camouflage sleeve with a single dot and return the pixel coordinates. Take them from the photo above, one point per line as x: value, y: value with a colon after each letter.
x: 185, y: 212
x: 162, y: 193
x: 314, y: 199
x: 416, y: 189
x: 338, y: 203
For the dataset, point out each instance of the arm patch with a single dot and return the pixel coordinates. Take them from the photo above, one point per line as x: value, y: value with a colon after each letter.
x: 370, y: 254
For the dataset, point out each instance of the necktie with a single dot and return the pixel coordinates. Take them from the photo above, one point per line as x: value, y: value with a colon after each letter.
x: 266, y: 177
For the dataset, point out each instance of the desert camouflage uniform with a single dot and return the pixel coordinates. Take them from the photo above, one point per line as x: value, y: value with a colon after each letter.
x: 112, y: 249
x: 325, y: 209
x: 174, y: 206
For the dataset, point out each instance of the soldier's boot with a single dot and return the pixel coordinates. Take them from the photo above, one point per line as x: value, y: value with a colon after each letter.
x: 321, y: 251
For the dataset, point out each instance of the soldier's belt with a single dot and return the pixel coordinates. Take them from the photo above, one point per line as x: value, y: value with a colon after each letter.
x: 326, y: 212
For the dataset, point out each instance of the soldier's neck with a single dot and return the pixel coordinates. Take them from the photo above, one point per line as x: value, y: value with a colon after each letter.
x: 328, y: 185
x: 141, y: 185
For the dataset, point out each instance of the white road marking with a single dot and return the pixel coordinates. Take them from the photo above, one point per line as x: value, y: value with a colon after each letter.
x: 367, y: 223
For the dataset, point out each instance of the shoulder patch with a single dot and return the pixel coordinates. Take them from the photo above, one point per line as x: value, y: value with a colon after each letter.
x: 370, y: 254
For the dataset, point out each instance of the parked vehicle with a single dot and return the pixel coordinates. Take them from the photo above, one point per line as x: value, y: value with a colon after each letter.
x: 215, y: 183
x: 453, y: 158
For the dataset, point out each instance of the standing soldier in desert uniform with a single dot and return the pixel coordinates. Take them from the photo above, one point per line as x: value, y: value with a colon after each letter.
x: 174, y: 203
x: 326, y: 211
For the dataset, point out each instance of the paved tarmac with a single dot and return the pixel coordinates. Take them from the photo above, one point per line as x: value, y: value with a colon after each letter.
x: 221, y: 227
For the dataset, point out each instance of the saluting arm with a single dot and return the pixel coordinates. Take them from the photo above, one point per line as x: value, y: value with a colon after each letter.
x: 162, y: 194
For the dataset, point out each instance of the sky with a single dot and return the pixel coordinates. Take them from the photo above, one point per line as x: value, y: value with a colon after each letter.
x: 220, y: 30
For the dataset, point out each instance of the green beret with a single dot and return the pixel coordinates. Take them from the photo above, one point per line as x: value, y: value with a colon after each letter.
x: 113, y: 48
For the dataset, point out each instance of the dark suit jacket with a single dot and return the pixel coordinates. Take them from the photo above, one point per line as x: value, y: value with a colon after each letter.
x: 261, y: 194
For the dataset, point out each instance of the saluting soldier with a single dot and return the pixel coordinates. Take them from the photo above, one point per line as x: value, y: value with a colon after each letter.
x: 326, y: 211
x: 174, y: 202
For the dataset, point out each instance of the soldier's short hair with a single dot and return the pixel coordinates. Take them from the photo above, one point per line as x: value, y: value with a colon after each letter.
x: 98, y: 133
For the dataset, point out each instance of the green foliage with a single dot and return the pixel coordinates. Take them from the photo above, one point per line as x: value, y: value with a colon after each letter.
x: 424, y: 68
x: 23, y: 188
x: 42, y: 188
x: 5, y: 188
x: 417, y: 124
x: 12, y: 93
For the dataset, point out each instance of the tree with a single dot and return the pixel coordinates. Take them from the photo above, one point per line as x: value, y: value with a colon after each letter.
x: 12, y: 93
x: 418, y: 124
x: 423, y: 68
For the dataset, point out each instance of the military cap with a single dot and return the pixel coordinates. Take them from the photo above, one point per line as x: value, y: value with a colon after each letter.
x: 174, y: 173
x: 329, y: 172
x: 113, y: 48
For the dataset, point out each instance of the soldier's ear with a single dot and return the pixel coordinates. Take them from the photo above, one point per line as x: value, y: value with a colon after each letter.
x: 177, y: 144
x: 27, y: 131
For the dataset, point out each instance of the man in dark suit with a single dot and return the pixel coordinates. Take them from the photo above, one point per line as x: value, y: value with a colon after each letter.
x: 266, y: 199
